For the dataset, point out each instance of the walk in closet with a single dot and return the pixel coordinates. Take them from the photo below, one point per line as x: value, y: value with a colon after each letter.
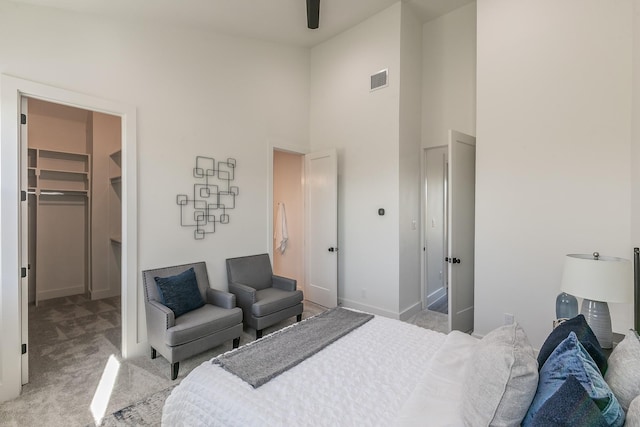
x: 73, y: 170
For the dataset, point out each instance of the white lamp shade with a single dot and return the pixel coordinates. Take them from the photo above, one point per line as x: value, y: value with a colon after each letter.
x: 606, y: 279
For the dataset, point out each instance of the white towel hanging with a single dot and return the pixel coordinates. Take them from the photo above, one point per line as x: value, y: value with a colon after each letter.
x: 281, y: 234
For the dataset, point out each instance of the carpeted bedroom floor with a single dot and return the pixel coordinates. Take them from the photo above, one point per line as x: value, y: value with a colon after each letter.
x: 73, y: 341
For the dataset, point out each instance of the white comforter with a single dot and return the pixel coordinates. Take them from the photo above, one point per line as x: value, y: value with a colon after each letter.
x: 363, y: 379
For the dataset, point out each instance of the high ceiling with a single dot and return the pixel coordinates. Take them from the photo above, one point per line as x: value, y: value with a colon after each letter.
x: 279, y: 21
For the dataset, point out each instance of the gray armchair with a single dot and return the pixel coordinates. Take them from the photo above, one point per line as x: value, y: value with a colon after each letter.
x: 197, y: 329
x: 265, y: 298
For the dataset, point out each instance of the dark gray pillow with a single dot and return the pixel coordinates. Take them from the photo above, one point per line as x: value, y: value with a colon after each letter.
x: 570, y: 406
x: 585, y: 335
x: 180, y: 292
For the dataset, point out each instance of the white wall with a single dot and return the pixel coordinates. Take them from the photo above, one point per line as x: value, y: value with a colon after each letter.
x: 364, y: 128
x: 196, y: 93
x: 449, y: 75
x: 553, y: 169
x: 409, y: 158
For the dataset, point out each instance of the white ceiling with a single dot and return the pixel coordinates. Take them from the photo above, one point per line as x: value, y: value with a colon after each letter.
x: 279, y: 21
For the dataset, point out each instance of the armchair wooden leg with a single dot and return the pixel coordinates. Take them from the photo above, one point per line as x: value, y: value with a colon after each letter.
x: 236, y: 342
x: 174, y: 370
x: 153, y: 353
x: 258, y: 334
x: 299, y: 317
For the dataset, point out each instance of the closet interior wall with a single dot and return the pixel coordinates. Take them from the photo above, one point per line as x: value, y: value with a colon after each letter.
x: 288, y: 189
x: 72, y: 202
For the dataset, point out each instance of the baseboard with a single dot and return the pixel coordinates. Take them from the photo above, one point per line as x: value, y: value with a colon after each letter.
x: 436, y: 296
x: 58, y: 293
x: 414, y: 309
x: 106, y: 293
x: 367, y: 308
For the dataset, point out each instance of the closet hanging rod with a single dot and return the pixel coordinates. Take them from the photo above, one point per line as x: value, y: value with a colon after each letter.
x: 60, y: 193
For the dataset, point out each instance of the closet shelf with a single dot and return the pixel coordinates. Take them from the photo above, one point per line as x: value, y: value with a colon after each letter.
x: 47, y: 170
x: 116, y: 239
x: 116, y: 179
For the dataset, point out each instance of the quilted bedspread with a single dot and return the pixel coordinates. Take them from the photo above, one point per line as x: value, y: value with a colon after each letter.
x: 363, y: 379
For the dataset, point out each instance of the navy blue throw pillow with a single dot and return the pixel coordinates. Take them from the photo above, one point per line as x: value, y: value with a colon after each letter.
x: 585, y: 335
x: 180, y: 292
x: 568, y: 407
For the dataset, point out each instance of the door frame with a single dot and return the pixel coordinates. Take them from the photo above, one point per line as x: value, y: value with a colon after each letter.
x: 423, y: 221
x: 12, y: 89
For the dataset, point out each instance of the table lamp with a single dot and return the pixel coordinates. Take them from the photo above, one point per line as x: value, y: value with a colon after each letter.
x: 598, y: 280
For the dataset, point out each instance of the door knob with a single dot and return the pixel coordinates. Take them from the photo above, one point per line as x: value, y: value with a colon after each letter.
x: 332, y: 249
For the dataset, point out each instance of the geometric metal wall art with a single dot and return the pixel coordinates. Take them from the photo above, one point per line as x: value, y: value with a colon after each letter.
x: 213, y: 195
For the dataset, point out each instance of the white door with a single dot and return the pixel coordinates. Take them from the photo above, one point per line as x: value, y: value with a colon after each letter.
x: 321, y: 188
x: 462, y: 173
x: 24, y: 244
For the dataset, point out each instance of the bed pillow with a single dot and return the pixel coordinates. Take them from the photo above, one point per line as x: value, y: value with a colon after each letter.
x: 571, y: 358
x: 633, y: 415
x: 623, y: 374
x: 585, y: 335
x: 180, y: 292
x: 570, y: 406
x: 501, y: 379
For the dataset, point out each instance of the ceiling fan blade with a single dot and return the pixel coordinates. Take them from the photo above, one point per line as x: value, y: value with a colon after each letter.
x: 313, y: 14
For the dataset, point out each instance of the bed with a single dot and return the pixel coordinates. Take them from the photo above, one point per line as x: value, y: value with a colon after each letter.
x: 390, y: 373
x: 368, y: 386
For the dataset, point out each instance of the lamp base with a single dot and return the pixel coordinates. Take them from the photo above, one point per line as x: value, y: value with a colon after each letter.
x: 597, y: 315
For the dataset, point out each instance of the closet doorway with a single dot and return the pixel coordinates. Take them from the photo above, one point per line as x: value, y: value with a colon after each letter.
x: 436, y: 289
x: 288, y: 216
x: 449, y: 229
x: 74, y: 222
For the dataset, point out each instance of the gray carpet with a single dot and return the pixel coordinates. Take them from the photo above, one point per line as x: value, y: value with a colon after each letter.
x: 146, y: 412
x: 71, y: 340
x: 70, y: 343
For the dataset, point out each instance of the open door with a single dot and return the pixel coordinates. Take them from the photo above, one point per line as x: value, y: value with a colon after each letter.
x: 24, y: 242
x: 462, y: 173
x: 321, y: 194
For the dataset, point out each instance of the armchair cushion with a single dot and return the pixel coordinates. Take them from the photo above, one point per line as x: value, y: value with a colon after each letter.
x: 180, y: 292
x: 201, y: 322
x: 271, y: 300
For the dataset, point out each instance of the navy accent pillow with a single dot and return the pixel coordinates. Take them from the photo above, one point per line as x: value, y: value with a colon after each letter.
x: 570, y: 406
x: 571, y: 358
x: 180, y: 292
x: 585, y: 335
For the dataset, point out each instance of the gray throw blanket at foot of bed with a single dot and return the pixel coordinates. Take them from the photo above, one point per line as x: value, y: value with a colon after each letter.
x: 262, y: 360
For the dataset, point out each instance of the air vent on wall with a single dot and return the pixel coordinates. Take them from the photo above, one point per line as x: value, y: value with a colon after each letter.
x: 379, y: 79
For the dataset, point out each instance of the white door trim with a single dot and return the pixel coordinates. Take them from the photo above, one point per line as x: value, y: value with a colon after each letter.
x: 11, y: 90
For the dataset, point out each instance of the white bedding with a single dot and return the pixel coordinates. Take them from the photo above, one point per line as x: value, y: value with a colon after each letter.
x: 437, y: 399
x: 363, y: 379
